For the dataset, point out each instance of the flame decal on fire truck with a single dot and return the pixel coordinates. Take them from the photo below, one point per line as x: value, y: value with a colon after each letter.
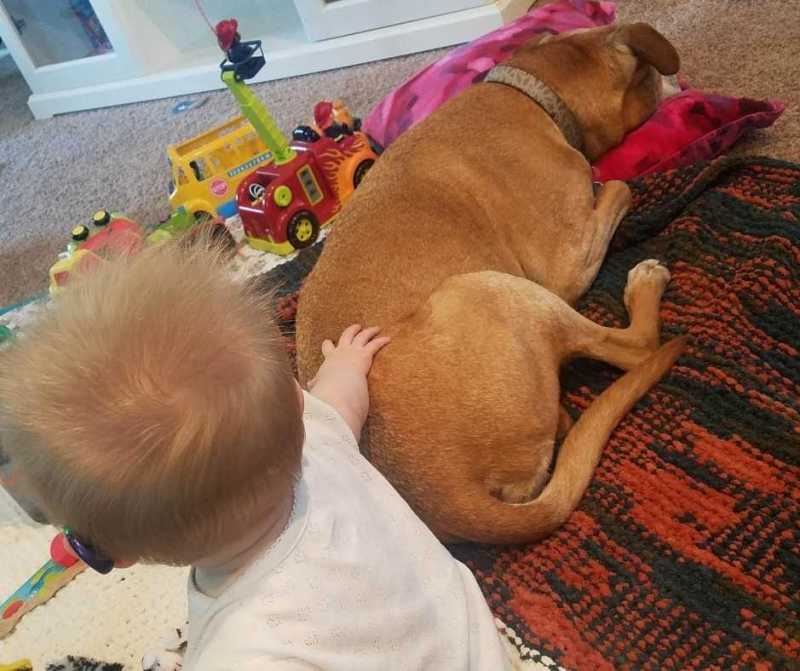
x: 331, y: 161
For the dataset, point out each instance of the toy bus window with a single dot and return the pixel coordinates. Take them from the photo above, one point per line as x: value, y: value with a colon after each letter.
x: 200, y: 169
x: 309, y: 184
x: 181, y: 177
x: 226, y: 158
x: 252, y: 140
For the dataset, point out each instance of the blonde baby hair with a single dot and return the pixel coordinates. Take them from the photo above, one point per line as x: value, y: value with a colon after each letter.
x: 153, y: 408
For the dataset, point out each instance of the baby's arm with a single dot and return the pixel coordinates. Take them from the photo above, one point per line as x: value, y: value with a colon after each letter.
x: 341, y: 380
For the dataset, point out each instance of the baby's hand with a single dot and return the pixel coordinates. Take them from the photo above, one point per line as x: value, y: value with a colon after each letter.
x: 355, y: 350
x: 342, y: 379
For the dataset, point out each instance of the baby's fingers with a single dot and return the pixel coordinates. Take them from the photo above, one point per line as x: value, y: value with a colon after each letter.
x: 366, y: 335
x: 376, y: 345
x: 327, y: 347
x: 349, y: 333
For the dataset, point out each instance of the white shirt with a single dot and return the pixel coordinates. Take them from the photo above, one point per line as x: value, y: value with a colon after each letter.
x: 356, y: 582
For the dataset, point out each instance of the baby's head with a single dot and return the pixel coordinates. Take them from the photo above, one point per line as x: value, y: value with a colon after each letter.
x: 153, y: 410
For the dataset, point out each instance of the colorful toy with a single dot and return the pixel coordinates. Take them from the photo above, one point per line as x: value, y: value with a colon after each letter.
x: 113, y: 234
x: 19, y: 665
x: 284, y: 204
x: 5, y: 334
x: 207, y: 169
x: 178, y: 223
x: 284, y: 193
x: 182, y: 223
x: 334, y: 119
x: 60, y: 569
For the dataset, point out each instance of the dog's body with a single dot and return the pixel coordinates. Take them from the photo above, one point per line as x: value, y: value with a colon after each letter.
x: 468, y: 243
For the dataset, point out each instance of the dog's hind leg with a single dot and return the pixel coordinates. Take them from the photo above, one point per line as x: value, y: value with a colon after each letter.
x: 628, y: 347
x: 625, y: 348
x: 465, y: 404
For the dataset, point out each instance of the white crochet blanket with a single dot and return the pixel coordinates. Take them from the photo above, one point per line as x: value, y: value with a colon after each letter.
x: 113, y: 618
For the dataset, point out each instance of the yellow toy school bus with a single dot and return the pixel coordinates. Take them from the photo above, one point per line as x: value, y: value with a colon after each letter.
x: 207, y: 169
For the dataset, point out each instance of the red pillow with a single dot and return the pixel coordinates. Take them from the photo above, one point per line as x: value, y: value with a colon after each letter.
x: 688, y: 127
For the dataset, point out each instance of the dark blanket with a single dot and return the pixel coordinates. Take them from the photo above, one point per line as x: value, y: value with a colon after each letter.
x: 685, y: 551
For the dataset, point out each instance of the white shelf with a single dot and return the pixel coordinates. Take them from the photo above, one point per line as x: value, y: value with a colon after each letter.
x: 187, y: 60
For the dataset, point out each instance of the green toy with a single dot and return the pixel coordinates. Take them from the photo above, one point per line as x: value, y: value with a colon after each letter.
x: 5, y: 334
x: 176, y: 225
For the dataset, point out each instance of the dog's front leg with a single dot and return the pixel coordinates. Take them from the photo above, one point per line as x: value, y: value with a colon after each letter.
x: 611, y: 204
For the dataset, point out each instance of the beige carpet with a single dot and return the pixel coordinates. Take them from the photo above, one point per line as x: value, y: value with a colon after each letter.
x: 55, y: 173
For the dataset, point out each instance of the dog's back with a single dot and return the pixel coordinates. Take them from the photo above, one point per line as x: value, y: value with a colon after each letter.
x: 487, y: 182
x: 453, y: 195
x: 465, y: 402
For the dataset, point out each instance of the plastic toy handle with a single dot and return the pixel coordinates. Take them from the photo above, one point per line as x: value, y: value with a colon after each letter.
x: 19, y: 665
x: 61, y: 552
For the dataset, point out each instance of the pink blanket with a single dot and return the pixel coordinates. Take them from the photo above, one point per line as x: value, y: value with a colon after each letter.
x: 415, y: 99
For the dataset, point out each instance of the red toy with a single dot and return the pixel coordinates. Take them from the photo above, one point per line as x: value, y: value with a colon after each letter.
x: 283, y: 206
x: 323, y: 114
x: 114, y: 235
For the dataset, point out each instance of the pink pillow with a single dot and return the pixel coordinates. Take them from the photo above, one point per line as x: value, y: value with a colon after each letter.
x: 689, y: 127
x: 415, y: 99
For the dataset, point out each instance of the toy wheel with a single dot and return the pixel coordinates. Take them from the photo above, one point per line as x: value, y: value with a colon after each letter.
x: 80, y: 233
x: 101, y: 217
x: 303, y: 229
x: 361, y: 171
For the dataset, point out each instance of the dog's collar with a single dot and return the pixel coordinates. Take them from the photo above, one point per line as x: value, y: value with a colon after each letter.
x: 543, y: 96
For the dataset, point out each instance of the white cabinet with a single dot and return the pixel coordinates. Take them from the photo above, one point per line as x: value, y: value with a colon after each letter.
x: 81, y: 54
x: 56, y: 45
x: 323, y: 19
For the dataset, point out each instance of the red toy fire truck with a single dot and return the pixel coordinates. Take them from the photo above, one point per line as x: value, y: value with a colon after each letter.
x: 284, y: 205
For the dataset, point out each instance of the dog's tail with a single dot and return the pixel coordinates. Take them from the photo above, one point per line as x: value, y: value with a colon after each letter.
x: 484, y: 518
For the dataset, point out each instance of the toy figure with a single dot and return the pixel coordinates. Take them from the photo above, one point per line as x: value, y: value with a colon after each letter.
x: 342, y: 115
x: 334, y: 119
x: 240, y: 55
x: 325, y: 122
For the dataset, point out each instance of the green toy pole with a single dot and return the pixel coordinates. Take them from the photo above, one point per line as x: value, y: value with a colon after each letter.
x: 256, y: 112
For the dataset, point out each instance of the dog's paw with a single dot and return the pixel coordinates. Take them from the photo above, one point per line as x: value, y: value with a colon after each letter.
x: 649, y: 276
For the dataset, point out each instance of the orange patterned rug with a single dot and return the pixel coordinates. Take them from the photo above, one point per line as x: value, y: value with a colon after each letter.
x: 685, y: 551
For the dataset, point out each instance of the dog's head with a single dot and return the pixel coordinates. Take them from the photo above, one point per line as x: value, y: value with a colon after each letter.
x: 610, y: 78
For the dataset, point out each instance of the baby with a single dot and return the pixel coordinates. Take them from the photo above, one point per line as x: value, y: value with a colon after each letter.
x: 153, y: 411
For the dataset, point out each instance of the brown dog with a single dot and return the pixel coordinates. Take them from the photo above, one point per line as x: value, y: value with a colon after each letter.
x: 468, y: 242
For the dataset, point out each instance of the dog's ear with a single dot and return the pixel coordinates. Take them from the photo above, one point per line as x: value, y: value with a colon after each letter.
x: 649, y: 45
